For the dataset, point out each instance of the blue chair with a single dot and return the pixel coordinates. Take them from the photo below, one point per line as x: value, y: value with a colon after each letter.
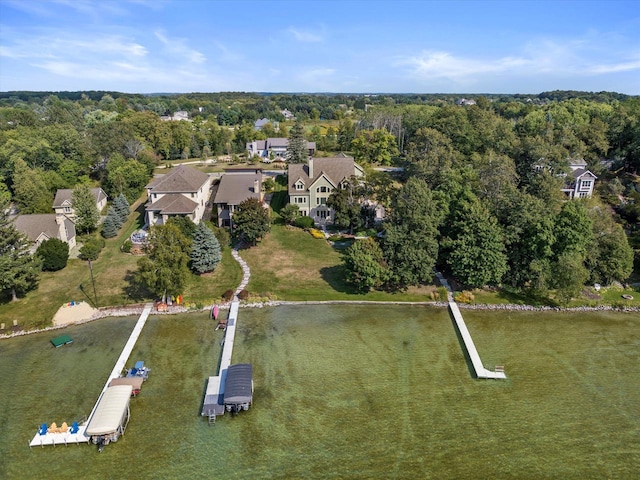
x: 43, y: 429
x: 74, y: 428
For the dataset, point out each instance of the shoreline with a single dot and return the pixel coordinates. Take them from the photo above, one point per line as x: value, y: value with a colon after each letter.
x: 125, y: 311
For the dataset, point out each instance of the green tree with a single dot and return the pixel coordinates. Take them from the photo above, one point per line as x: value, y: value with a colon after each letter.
x: 289, y: 213
x: 91, y: 248
x: 122, y: 208
x: 164, y: 270
x: 128, y: 177
x: 54, y: 254
x: 569, y: 275
x: 185, y: 224
x: 86, y: 211
x: 375, y: 146
x: 475, y: 247
x: 610, y: 257
x: 573, y: 229
x: 19, y: 269
x: 30, y: 189
x: 297, y: 151
x: 410, y: 243
x: 111, y: 224
x: 346, y: 208
x: 205, y: 254
x: 251, y: 221
x: 346, y: 134
x: 365, y: 265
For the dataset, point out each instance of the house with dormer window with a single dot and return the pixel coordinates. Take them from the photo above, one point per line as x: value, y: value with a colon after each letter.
x: 311, y: 185
x: 273, y: 149
x: 579, y: 183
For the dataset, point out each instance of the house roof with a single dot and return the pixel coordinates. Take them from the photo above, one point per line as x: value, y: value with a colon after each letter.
x: 173, y: 204
x: 181, y: 179
x: 276, y: 142
x: 33, y: 226
x: 335, y: 169
x: 64, y: 196
x: 261, y: 122
x: 234, y: 188
x: 581, y: 172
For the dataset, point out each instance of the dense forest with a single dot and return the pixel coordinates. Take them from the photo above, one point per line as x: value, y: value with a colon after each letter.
x: 480, y: 193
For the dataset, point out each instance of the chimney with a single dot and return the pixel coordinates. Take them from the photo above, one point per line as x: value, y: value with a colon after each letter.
x: 311, y: 167
x: 256, y: 186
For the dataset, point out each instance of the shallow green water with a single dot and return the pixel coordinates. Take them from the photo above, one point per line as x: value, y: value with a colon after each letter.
x: 341, y: 392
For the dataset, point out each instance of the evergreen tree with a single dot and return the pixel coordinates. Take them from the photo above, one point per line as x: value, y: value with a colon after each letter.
x: 122, y: 208
x: 251, y: 220
x: 86, y: 211
x: 54, y: 254
x: 111, y: 224
x: 297, y: 151
x: 19, y: 270
x: 205, y: 254
x: 164, y: 270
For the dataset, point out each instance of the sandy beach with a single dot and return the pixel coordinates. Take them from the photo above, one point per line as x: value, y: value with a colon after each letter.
x: 68, y: 314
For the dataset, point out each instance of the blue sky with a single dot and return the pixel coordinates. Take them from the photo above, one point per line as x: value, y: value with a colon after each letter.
x: 144, y: 46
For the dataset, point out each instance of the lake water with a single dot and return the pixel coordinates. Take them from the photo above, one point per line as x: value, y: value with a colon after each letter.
x: 340, y: 392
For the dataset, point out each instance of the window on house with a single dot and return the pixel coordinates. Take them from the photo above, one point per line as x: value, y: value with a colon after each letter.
x: 323, y: 201
x: 585, y: 185
x: 584, y: 194
x: 155, y: 195
x: 67, y: 209
x: 322, y: 213
x: 323, y: 189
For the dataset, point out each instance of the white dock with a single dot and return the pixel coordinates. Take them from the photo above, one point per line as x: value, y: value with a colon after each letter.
x: 60, y: 438
x: 213, y: 404
x: 80, y: 437
x: 481, y: 372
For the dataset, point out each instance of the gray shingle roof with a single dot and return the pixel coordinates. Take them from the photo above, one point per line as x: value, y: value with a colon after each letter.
x: 65, y: 194
x: 173, y: 204
x: 180, y: 179
x: 335, y: 168
x: 234, y: 188
x: 35, y: 225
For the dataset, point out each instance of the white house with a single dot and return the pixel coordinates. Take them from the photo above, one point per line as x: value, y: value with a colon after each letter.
x: 182, y: 192
x: 274, y: 147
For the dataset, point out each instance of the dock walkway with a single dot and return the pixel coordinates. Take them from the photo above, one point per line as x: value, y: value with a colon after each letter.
x: 481, y: 372
x: 213, y: 404
x: 80, y: 437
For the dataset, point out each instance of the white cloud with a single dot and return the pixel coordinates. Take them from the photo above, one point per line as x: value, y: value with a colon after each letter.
x: 304, y: 36
x: 179, y: 47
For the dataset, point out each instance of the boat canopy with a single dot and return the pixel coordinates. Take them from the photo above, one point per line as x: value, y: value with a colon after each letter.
x: 239, y: 384
x: 135, y: 382
x: 111, y: 411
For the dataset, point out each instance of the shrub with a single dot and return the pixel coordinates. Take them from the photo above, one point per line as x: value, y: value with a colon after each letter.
x: 243, y: 295
x: 91, y: 248
x: 227, y: 295
x: 304, y: 222
x: 126, y: 246
x: 54, y: 254
x: 465, y: 297
x: 316, y: 233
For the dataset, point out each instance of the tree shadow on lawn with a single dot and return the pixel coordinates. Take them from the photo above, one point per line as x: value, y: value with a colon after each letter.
x: 335, y: 277
x: 135, y: 291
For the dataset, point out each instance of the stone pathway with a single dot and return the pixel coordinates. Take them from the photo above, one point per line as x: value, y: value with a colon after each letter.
x: 246, y: 273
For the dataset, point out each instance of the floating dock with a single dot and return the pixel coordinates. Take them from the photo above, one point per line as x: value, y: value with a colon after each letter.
x: 80, y: 436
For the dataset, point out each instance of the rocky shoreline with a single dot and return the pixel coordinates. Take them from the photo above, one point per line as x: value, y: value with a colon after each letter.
x: 174, y: 310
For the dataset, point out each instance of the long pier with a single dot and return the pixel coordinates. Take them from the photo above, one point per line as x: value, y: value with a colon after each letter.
x: 213, y: 404
x: 65, y: 438
x: 481, y: 371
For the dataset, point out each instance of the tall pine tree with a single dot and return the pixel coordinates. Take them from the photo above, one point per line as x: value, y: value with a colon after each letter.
x: 205, y: 254
x: 297, y: 151
x: 19, y: 269
x: 122, y: 208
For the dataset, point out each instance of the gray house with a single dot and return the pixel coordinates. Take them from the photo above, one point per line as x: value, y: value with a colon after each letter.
x: 274, y: 147
x: 234, y: 188
x: 44, y: 226
x: 63, y: 202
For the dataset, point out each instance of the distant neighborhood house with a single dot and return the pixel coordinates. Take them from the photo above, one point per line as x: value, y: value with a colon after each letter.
x: 274, y: 148
x: 234, y: 188
x: 182, y: 192
x: 258, y: 124
x: 63, y: 201
x: 176, y: 117
x: 310, y: 185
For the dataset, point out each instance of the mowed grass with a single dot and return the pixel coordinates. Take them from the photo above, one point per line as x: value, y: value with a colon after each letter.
x: 289, y: 264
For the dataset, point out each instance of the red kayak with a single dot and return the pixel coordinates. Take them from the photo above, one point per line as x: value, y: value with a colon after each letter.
x: 214, y: 312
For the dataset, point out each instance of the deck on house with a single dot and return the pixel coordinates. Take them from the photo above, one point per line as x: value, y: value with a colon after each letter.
x: 213, y: 404
x: 80, y: 437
